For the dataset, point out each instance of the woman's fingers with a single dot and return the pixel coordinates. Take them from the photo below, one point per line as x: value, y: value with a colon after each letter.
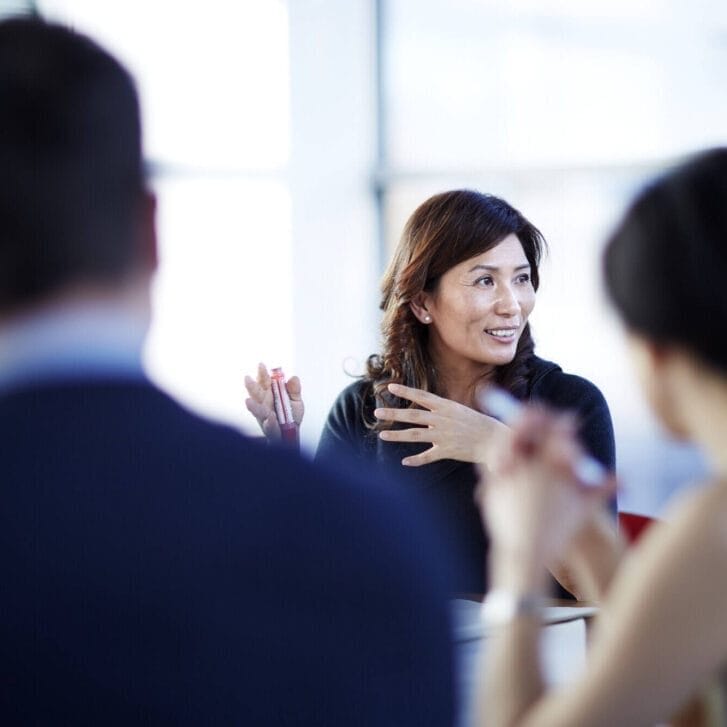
x: 254, y: 389
x: 609, y: 489
x: 263, y: 377
x: 259, y: 403
x: 294, y: 388
x: 550, y: 441
x: 457, y: 431
x: 257, y: 409
x: 539, y: 433
x: 426, y: 457
x: 418, y: 396
x: 408, y: 416
x: 528, y: 432
x: 417, y: 434
x: 296, y: 400
x: 565, y: 456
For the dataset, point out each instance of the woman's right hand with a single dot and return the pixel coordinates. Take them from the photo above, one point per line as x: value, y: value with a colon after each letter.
x: 454, y: 430
x: 260, y: 401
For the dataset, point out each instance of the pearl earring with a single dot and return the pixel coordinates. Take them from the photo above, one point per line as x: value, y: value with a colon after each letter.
x: 427, y: 318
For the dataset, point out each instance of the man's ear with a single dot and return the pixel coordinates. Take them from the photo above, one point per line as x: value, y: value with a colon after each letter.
x: 419, y: 307
x: 147, y: 235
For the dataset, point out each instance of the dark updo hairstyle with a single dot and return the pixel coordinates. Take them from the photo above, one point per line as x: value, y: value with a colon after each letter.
x: 666, y: 263
x: 445, y: 230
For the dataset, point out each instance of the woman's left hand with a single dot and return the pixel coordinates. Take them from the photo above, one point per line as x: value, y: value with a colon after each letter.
x: 535, y: 504
x: 260, y: 402
x: 455, y: 431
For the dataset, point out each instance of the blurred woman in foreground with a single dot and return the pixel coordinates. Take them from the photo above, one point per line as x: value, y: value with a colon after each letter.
x: 661, y: 636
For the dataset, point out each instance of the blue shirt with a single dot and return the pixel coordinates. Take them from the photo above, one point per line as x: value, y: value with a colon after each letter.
x: 71, y: 341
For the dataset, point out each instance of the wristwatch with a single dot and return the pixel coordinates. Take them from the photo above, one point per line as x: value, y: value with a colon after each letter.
x: 501, y: 607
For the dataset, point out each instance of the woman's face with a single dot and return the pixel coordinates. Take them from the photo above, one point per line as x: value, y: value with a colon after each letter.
x: 479, y: 308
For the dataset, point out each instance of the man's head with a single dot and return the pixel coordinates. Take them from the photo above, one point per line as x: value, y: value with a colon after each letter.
x: 73, y: 206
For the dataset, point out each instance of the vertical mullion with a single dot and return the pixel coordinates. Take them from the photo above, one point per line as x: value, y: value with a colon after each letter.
x: 380, y: 180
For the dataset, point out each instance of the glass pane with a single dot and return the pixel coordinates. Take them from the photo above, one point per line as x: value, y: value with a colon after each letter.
x: 480, y: 83
x: 214, y: 84
x: 213, y: 76
x: 10, y: 8
x: 223, y: 292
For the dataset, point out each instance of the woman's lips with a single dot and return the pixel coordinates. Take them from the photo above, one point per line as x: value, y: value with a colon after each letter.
x: 505, y: 335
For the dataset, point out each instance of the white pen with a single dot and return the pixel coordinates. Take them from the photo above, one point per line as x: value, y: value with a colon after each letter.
x: 507, y: 408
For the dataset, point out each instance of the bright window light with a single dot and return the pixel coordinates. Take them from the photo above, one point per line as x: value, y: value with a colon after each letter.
x: 214, y: 84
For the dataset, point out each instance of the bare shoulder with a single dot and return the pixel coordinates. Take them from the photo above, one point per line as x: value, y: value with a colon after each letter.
x: 668, y: 600
x: 700, y: 515
x: 682, y: 554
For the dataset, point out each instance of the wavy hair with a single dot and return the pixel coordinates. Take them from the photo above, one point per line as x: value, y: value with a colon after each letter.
x: 444, y: 231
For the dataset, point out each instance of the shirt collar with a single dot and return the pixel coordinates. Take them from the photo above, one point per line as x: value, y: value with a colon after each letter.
x: 74, y: 341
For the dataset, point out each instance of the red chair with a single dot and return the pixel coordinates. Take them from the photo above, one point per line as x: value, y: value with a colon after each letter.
x: 632, y: 526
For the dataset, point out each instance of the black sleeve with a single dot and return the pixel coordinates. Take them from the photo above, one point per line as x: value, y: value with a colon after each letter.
x: 576, y: 394
x: 344, y: 433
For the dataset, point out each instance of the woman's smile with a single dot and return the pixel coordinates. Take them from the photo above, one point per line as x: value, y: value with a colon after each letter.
x: 479, y: 308
x: 506, y: 335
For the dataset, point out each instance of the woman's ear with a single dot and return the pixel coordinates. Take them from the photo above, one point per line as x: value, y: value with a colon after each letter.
x: 658, y: 370
x: 419, y: 308
x: 646, y: 355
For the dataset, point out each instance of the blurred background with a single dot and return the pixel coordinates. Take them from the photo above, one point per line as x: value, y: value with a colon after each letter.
x: 289, y: 141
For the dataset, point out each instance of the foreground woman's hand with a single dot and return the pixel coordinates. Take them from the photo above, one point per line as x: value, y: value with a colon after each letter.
x: 535, y: 505
x: 455, y: 431
x: 260, y: 401
x: 592, y: 559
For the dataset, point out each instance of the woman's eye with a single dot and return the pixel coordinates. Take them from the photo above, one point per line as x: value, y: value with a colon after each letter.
x: 524, y: 278
x: 483, y: 281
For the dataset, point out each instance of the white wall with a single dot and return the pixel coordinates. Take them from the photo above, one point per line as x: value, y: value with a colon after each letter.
x: 335, y: 281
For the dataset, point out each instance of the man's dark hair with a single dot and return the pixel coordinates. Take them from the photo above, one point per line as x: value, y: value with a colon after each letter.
x: 71, y: 169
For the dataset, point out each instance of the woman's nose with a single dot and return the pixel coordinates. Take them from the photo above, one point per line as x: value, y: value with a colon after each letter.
x: 507, y: 302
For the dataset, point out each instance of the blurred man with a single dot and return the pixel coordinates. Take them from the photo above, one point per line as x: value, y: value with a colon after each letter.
x: 156, y: 567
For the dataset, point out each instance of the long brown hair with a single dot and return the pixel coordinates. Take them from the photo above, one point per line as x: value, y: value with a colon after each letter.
x: 444, y: 231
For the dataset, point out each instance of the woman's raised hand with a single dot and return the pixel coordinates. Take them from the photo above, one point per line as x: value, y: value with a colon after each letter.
x: 535, y: 504
x: 454, y: 430
x: 260, y: 401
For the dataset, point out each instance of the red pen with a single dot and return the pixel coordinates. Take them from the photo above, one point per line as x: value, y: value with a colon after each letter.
x: 283, y: 410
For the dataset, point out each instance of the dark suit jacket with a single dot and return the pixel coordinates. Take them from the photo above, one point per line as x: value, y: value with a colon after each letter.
x: 161, y: 569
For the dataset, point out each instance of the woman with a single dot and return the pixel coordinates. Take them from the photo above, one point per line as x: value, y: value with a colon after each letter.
x: 457, y: 296
x: 661, y: 635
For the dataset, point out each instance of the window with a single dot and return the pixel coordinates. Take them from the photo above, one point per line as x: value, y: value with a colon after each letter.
x: 215, y: 95
x: 563, y: 108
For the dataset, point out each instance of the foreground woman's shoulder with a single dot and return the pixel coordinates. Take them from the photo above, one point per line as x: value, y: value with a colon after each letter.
x: 700, y: 513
